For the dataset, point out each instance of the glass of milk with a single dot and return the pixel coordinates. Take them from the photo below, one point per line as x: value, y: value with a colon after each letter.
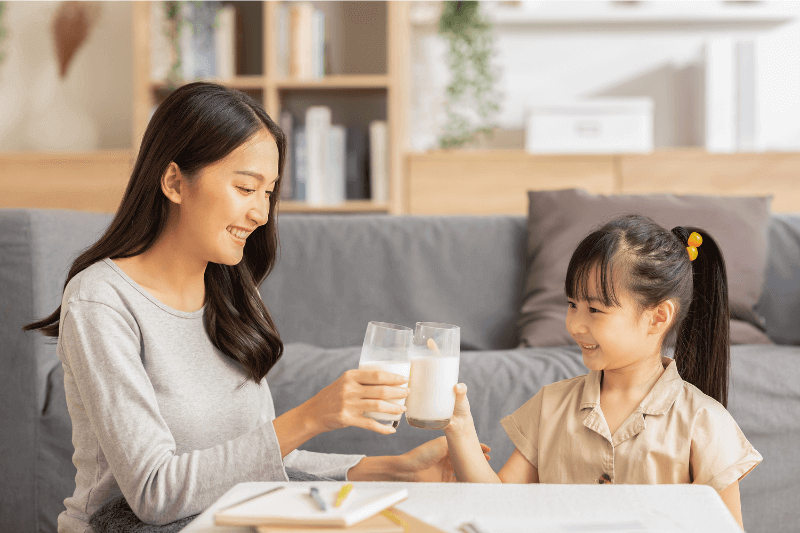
x: 434, y: 374
x: 387, y: 347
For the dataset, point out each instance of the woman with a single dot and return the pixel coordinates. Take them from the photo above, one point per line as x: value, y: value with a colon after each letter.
x: 166, y: 343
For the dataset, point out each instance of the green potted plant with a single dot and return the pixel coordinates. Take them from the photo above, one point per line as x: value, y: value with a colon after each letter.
x: 472, y: 98
x: 3, y: 31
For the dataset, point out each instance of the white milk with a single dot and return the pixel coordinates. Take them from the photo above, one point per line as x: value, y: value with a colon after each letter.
x: 395, y: 367
x: 432, y: 383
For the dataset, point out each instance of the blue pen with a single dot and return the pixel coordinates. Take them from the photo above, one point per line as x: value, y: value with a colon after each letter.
x: 314, y: 493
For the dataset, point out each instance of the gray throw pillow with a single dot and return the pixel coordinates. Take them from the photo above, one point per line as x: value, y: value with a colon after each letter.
x: 559, y: 220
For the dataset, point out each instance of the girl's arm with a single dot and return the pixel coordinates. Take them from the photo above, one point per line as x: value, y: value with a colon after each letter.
x: 518, y: 470
x: 466, y: 454
x: 730, y: 497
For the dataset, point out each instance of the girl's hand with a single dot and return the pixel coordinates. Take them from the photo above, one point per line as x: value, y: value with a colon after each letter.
x: 343, y: 402
x: 430, y: 462
x: 461, y: 423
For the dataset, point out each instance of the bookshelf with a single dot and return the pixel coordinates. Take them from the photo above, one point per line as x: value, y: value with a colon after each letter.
x: 366, y: 78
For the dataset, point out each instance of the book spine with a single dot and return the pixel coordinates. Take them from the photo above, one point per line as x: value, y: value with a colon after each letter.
x: 300, y: 169
x: 287, y: 180
x: 336, y: 165
x: 301, y: 29
x: 318, y: 125
x: 378, y: 158
x: 225, y: 42
x: 318, y: 44
x: 282, y: 19
x: 357, y: 187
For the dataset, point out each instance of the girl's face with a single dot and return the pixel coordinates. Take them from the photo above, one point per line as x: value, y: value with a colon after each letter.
x: 229, y: 199
x: 610, y: 337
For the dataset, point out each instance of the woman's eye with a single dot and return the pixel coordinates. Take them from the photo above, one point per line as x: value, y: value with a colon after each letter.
x: 246, y: 191
x: 572, y: 305
x: 593, y: 310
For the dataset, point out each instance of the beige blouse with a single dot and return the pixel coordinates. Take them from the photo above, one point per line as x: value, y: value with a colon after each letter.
x: 676, y: 435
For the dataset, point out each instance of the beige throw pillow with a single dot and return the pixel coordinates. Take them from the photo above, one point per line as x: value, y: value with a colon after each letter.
x: 559, y: 220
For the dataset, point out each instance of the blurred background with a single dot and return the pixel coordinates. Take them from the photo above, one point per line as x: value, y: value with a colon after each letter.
x: 571, y: 87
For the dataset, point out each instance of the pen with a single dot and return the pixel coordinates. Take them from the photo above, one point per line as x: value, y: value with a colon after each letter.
x: 343, y: 494
x: 314, y: 493
x: 274, y: 489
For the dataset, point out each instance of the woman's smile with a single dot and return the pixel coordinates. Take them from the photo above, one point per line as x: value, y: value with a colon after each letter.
x: 239, y: 235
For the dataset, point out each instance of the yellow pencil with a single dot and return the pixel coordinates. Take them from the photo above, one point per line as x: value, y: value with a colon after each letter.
x: 343, y: 494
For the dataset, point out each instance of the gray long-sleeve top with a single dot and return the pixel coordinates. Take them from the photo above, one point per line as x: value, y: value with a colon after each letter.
x: 157, y: 411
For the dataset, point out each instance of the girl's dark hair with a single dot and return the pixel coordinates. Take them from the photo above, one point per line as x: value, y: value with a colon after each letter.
x: 653, y: 266
x: 197, y: 125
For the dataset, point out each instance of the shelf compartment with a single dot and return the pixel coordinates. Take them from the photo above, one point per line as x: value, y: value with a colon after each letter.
x: 350, y: 206
x: 238, y: 82
x: 355, y: 81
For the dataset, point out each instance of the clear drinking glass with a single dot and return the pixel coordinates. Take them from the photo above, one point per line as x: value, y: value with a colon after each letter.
x: 387, y: 347
x: 434, y: 374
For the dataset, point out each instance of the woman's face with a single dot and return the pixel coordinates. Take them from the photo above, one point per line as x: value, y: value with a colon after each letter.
x: 229, y: 199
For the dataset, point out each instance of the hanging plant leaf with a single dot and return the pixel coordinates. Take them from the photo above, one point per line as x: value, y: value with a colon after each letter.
x: 471, y: 91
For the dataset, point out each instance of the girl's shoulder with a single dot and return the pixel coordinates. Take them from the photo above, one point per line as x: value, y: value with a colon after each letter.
x: 693, y: 403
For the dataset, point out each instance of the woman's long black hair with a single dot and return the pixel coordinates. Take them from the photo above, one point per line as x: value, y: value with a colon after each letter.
x: 197, y: 125
x: 653, y: 266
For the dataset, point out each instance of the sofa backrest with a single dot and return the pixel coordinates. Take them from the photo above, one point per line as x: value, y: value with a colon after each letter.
x: 336, y: 273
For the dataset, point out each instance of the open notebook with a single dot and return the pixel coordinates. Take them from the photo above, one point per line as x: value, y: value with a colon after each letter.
x: 294, y: 506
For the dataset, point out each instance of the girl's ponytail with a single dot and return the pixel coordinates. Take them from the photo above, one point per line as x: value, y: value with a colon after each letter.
x: 702, y: 344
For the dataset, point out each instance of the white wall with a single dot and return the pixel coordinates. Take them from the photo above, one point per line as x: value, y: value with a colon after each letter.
x: 550, y: 61
x: 537, y: 62
x: 98, y: 86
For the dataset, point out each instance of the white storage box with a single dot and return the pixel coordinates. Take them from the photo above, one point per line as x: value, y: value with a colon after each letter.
x: 591, y: 126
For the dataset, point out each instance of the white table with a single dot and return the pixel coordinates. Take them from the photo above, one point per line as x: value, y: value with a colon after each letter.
x: 537, y: 508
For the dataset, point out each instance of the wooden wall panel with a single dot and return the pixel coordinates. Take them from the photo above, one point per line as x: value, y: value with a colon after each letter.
x: 698, y: 172
x: 87, y: 182
x: 496, y: 181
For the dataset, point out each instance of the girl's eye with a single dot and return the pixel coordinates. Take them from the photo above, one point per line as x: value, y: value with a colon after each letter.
x: 246, y: 191
x: 572, y: 305
x: 593, y: 310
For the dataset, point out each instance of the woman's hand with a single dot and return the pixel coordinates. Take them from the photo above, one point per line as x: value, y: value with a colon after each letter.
x: 343, y: 402
x: 430, y: 462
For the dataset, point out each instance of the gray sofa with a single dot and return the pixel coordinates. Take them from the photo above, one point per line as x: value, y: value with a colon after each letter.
x: 336, y: 273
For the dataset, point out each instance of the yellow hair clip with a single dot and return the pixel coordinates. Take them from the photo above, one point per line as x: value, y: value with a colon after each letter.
x: 695, y: 240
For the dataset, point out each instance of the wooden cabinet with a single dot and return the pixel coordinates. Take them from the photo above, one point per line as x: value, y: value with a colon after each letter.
x: 369, y: 51
x: 495, y: 182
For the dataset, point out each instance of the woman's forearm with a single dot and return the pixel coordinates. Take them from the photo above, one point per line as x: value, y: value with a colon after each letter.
x: 294, y: 428
x: 376, y: 469
x: 469, y: 463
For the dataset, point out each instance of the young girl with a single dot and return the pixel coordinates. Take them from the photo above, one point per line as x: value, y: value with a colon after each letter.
x: 637, y: 417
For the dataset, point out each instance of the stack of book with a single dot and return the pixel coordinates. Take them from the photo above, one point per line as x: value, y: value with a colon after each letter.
x: 328, y: 163
x: 301, y: 40
x: 206, y: 41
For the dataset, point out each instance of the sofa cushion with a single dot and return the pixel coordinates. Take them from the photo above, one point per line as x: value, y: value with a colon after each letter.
x: 558, y: 221
x: 780, y: 300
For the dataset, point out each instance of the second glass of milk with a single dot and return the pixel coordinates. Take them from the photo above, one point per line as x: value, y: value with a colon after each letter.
x: 434, y: 375
x: 387, y: 347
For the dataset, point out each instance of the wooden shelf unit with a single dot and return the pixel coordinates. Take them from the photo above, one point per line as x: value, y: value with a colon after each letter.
x: 274, y: 89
